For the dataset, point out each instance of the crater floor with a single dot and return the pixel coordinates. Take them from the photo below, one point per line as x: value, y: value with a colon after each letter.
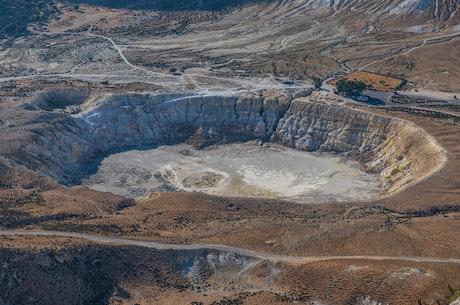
x: 243, y: 170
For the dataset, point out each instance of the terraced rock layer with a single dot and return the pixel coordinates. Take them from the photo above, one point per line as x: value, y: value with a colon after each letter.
x: 398, y: 151
x: 63, y: 139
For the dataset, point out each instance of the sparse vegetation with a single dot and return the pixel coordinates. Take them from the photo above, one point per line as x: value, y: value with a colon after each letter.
x: 298, y: 47
x: 166, y: 4
x: 455, y: 294
x: 97, y: 263
x: 6, y: 224
x: 17, y: 15
x: 318, y: 82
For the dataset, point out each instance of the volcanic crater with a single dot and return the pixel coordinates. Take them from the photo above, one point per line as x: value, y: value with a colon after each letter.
x: 276, y: 144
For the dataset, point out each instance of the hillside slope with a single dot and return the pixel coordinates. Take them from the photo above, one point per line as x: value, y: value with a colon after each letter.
x: 16, y: 16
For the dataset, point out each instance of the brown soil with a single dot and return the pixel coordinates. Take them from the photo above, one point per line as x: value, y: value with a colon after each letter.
x: 145, y: 276
x: 433, y: 67
x: 420, y: 221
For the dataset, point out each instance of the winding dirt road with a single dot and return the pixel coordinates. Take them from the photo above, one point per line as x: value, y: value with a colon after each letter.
x: 421, y: 45
x: 123, y: 57
x: 244, y: 252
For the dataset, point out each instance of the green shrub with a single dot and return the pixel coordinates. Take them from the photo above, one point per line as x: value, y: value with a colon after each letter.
x: 7, y: 224
x: 455, y: 295
x: 97, y: 263
x: 350, y: 87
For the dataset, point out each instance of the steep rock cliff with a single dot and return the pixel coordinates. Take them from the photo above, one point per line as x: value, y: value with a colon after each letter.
x: 120, y: 121
x: 399, y: 151
x: 64, y: 142
x: 314, y: 126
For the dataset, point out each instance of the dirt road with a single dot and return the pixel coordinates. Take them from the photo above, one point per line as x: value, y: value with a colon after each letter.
x: 224, y: 248
x: 421, y: 45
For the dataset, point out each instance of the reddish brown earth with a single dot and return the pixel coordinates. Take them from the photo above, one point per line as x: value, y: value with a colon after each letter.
x: 420, y: 221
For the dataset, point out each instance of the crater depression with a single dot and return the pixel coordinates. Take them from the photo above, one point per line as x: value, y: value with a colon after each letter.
x: 267, y: 144
x: 244, y: 169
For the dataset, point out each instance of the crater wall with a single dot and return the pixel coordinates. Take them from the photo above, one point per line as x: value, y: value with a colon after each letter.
x: 397, y: 150
x: 64, y: 142
x: 142, y: 120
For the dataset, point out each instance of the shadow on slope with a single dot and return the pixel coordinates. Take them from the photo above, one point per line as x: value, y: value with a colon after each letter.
x: 167, y: 5
x: 16, y: 15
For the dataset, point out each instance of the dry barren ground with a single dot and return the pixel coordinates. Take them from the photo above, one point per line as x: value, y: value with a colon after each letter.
x: 270, y: 45
x: 422, y: 221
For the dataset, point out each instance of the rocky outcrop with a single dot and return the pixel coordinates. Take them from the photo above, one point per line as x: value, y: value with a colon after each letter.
x: 315, y: 126
x: 63, y: 139
x: 398, y: 151
x: 63, y: 142
x: 120, y: 121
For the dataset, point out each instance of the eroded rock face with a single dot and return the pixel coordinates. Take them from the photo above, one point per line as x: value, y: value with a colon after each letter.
x: 144, y: 120
x: 63, y: 142
x: 398, y: 151
x: 314, y: 126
